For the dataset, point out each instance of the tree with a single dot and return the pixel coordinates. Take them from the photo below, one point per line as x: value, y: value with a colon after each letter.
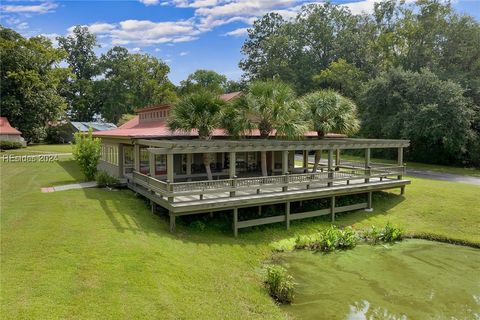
x: 329, y: 112
x: 201, y: 111
x: 204, y: 79
x: 79, y: 90
x: 341, y: 76
x: 86, y: 151
x: 269, y: 106
x: 131, y: 81
x: 30, y: 77
x: 419, y: 106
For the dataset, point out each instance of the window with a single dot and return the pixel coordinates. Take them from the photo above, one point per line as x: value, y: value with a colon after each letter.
x: 109, y: 153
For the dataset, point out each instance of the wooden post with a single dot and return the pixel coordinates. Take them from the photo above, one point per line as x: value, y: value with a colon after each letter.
x: 170, y: 167
x: 172, y: 221
x: 151, y: 162
x: 369, y: 202
x: 136, y: 158
x: 287, y: 214
x: 285, y: 168
x: 235, y: 222
x: 367, y: 164
x: 291, y: 161
x: 232, y: 171
x: 305, y: 161
x: 189, y: 166
x: 400, y: 162
x: 233, y: 164
x: 272, y: 160
x: 332, y: 208
x: 284, y: 161
x: 337, y: 160
x: 152, y: 206
x: 330, y: 166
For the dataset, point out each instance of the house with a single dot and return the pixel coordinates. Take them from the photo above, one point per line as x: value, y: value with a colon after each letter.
x: 167, y: 168
x: 9, y: 133
x: 63, y: 131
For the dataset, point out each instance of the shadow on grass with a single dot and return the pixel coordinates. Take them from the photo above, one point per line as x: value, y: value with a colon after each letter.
x: 70, y: 166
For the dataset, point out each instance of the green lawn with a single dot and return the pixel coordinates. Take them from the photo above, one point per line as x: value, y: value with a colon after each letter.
x: 95, y: 253
x: 38, y: 149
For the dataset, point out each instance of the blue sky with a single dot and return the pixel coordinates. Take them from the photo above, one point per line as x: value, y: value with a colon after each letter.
x: 186, y: 34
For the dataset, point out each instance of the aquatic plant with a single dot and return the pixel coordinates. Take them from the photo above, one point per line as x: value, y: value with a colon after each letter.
x: 328, y: 240
x: 389, y: 233
x: 279, y: 283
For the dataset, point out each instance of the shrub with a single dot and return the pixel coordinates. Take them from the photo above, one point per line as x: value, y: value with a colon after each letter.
x: 389, y: 233
x: 8, y: 145
x: 328, y: 240
x: 104, y: 179
x: 86, y: 151
x: 279, y: 283
x: 198, y: 225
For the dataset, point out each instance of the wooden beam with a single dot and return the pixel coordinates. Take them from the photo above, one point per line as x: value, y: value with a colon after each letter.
x: 330, y: 166
x: 151, y: 162
x: 232, y: 169
x: 172, y: 222
x: 284, y: 161
x: 235, y: 222
x: 400, y: 161
x: 170, y: 173
x: 367, y: 164
x: 136, y: 158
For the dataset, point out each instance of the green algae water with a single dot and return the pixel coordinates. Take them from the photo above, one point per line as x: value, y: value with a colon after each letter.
x: 413, y: 279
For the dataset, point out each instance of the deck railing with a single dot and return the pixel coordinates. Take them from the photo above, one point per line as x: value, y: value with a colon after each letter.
x: 307, y: 180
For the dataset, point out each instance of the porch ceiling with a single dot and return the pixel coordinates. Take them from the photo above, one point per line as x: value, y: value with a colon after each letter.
x: 202, y: 146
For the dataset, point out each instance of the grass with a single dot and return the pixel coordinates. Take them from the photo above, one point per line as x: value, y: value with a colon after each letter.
x: 39, y: 149
x: 96, y: 253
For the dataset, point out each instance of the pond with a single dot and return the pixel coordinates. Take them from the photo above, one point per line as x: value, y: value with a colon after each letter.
x: 413, y: 279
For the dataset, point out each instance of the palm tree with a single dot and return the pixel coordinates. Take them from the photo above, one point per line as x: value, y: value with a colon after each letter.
x: 329, y: 111
x: 201, y: 110
x: 269, y: 106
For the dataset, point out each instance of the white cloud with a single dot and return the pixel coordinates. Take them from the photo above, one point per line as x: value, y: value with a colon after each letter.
x: 158, y: 49
x: 146, y: 32
x: 149, y: 2
x: 22, y: 26
x: 44, y: 7
x: 240, y: 32
x: 182, y: 54
x: 135, y: 49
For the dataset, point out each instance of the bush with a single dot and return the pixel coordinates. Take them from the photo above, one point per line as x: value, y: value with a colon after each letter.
x: 328, y: 240
x: 86, y: 151
x: 104, y: 179
x: 280, y: 285
x: 389, y: 233
x: 8, y: 145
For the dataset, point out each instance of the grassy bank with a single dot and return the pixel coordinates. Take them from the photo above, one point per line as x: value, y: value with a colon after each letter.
x: 96, y: 253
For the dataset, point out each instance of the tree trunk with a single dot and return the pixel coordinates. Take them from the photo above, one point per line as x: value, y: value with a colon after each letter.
x: 318, y: 157
x: 263, y: 158
x: 206, y: 163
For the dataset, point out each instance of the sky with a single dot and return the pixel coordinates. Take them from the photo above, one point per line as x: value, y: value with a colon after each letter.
x: 186, y: 34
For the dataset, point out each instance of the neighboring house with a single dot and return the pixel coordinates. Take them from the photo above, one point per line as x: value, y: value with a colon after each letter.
x: 167, y: 168
x: 63, y: 131
x: 9, y: 133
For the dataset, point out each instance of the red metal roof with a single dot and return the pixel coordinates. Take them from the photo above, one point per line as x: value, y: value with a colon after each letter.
x: 150, y: 108
x: 159, y: 129
x: 6, y: 128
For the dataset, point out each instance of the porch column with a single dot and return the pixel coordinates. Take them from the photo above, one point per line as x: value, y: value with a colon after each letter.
x: 232, y: 172
x: 305, y: 160
x: 189, y: 166
x: 151, y: 162
x: 337, y: 159
x: 291, y: 161
x: 367, y: 164
x: 170, y: 167
x: 400, y: 161
x: 285, y: 169
x: 287, y: 214
x: 172, y: 221
x: 332, y: 208
x: 330, y: 166
x: 235, y: 222
x: 136, y: 157
x: 272, y: 162
x: 284, y: 161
